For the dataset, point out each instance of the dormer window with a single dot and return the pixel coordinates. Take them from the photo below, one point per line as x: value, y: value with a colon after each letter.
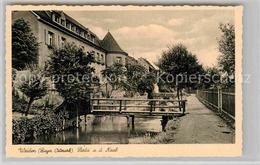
x: 77, y: 30
x: 92, y: 37
x: 85, y: 35
x: 56, y: 18
x: 82, y: 33
x: 68, y: 25
x: 73, y: 28
x: 62, y: 21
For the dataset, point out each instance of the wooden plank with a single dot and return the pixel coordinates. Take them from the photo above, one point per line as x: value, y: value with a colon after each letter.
x: 138, y: 106
x: 145, y: 112
x: 127, y: 99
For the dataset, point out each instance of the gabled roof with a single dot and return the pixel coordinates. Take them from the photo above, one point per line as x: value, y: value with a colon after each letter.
x: 150, y: 64
x: 110, y: 44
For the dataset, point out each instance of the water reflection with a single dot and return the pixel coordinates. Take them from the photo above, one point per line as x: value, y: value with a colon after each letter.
x: 102, y: 130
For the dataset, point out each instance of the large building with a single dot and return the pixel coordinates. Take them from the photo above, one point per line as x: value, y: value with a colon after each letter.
x: 54, y: 28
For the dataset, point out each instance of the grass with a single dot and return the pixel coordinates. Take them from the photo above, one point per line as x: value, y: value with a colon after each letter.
x: 162, y: 137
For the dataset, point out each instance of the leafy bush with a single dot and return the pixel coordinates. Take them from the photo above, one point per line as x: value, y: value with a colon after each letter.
x: 27, y: 130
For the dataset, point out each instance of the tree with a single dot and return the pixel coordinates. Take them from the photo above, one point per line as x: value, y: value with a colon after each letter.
x: 34, y: 87
x: 133, y: 77
x: 146, y: 84
x: 179, y: 65
x: 226, y: 46
x: 24, y: 45
x: 115, y: 76
x: 140, y: 80
x: 134, y: 73
x: 211, y: 78
x: 72, y: 75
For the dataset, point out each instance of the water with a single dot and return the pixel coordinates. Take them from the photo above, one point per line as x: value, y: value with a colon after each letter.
x: 104, y: 130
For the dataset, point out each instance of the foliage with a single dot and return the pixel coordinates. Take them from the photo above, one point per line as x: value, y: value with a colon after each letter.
x: 146, y: 84
x: 226, y: 46
x: 133, y: 77
x: 180, y: 65
x: 34, y: 86
x: 115, y: 75
x: 134, y: 74
x: 24, y: 45
x: 72, y: 74
x: 139, y: 79
x: 211, y: 79
x: 18, y: 103
x: 26, y: 130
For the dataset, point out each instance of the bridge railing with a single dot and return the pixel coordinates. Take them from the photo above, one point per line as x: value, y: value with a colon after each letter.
x: 137, y: 105
x: 220, y: 99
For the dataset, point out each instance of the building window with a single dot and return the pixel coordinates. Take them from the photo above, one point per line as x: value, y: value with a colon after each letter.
x: 82, y: 33
x: 92, y: 37
x: 63, y: 41
x: 50, y: 39
x: 73, y: 28
x: 102, y: 58
x: 118, y: 60
x: 68, y: 25
x: 56, y: 18
x: 85, y: 35
x: 83, y: 48
x: 97, y: 57
x: 77, y: 30
x: 62, y: 21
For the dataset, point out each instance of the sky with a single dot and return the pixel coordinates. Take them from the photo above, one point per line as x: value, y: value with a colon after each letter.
x: 148, y: 33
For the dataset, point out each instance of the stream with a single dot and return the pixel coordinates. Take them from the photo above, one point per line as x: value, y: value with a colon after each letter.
x: 105, y: 130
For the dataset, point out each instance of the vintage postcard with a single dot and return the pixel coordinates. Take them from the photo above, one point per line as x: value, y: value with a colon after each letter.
x: 123, y: 81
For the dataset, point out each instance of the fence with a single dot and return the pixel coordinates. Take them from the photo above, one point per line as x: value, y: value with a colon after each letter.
x: 221, y: 99
x: 135, y: 106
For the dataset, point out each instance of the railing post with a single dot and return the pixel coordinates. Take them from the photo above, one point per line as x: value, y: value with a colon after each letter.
x: 133, y: 122
x: 151, y: 107
x: 183, y: 106
x: 154, y: 104
x: 219, y: 100
x: 98, y: 104
x: 120, y: 106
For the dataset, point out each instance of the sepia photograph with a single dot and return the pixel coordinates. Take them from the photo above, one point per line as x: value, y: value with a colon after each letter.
x: 122, y: 75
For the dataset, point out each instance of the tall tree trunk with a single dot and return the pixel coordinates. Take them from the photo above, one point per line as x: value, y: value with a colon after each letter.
x: 178, y: 96
x: 29, y: 106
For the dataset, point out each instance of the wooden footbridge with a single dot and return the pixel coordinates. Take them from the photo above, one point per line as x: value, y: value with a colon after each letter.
x: 166, y: 108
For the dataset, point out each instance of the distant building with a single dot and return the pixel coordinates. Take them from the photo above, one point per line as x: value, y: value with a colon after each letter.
x: 148, y: 65
x: 54, y: 28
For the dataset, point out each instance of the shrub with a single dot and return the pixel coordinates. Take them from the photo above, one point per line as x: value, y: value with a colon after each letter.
x: 27, y: 130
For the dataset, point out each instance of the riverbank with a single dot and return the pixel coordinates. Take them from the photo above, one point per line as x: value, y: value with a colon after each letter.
x: 160, y: 137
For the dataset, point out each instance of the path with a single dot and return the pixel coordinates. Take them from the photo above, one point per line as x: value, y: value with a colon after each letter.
x: 202, y: 125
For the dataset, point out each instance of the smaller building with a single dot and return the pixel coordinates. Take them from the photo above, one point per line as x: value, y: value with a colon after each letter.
x: 148, y: 65
x: 114, y: 53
